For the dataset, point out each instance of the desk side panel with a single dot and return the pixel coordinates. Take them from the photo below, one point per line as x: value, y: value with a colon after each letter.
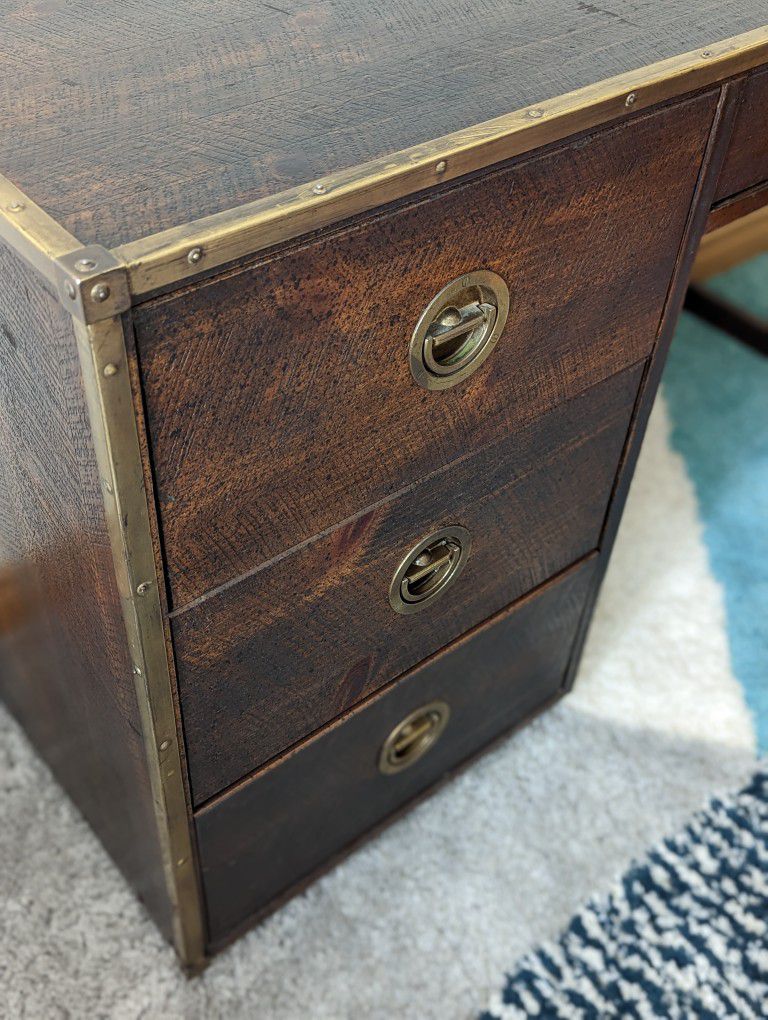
x: 65, y: 671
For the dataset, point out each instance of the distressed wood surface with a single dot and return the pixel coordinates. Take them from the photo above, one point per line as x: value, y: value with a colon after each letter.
x: 274, y: 658
x: 142, y: 116
x: 271, y: 832
x: 746, y: 163
x: 65, y: 670
x: 280, y: 400
x: 742, y: 213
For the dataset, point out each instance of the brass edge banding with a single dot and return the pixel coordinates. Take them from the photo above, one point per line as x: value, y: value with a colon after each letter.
x: 60, y: 258
x: 32, y: 233
x: 180, y: 253
x: 102, y: 351
x: 89, y: 281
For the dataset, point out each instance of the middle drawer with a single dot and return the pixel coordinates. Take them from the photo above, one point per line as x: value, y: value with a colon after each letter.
x: 269, y: 660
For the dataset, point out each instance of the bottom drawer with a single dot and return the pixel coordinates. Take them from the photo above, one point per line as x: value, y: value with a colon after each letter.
x: 275, y: 829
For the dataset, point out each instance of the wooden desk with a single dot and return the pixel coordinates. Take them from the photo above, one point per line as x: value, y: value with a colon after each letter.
x: 329, y: 338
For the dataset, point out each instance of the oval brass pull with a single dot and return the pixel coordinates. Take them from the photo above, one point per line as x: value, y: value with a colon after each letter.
x: 458, y: 329
x: 429, y: 569
x: 413, y: 737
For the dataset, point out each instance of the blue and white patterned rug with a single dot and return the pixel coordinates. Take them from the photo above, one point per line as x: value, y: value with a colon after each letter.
x: 684, y: 934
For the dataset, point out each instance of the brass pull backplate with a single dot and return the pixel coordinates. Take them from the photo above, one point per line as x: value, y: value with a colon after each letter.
x: 413, y: 737
x: 429, y: 569
x: 458, y: 329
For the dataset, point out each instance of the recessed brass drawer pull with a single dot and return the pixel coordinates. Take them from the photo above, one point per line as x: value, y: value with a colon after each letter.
x: 429, y: 569
x: 458, y: 329
x: 413, y: 737
x: 453, y: 338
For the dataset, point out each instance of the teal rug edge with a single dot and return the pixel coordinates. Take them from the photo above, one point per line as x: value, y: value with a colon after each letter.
x: 717, y: 394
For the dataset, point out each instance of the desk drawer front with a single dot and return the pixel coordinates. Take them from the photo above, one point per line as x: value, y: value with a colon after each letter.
x: 280, y: 399
x: 276, y: 829
x: 746, y: 163
x: 273, y: 658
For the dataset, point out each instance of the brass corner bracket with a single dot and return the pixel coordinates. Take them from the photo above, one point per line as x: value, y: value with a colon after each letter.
x: 92, y: 284
x: 90, y: 281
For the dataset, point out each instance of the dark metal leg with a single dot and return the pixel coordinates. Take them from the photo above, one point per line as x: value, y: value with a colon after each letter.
x: 721, y: 313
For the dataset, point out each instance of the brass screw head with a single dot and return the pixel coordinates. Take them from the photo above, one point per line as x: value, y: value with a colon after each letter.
x: 631, y: 99
x: 69, y: 288
x: 320, y: 189
x: 441, y: 167
x: 100, y: 292
x: 110, y: 369
x: 194, y: 255
x: 85, y: 265
x: 706, y: 53
x: 165, y: 745
x: 143, y: 588
x: 535, y: 114
x: 16, y: 207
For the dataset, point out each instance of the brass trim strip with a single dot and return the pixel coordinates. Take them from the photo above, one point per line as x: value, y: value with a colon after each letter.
x: 104, y: 363
x: 179, y: 253
x: 31, y: 232
x: 89, y: 281
x: 61, y: 260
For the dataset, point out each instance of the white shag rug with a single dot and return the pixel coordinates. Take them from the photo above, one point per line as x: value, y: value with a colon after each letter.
x: 423, y: 921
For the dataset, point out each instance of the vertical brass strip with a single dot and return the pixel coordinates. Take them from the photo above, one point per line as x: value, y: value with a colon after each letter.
x: 46, y: 245
x: 102, y: 351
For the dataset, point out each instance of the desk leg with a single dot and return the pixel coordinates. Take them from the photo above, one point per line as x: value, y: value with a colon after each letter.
x: 732, y: 320
x: 702, y: 199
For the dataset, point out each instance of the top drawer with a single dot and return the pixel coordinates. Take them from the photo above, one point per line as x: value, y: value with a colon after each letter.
x: 746, y: 163
x: 280, y: 399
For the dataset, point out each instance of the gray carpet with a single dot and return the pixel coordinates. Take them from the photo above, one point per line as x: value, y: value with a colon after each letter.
x: 424, y: 921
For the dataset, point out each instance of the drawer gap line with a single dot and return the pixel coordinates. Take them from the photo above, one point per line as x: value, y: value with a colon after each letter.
x: 571, y: 445
x: 275, y: 761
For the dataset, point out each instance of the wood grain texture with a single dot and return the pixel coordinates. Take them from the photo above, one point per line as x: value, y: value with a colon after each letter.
x: 280, y: 401
x: 65, y: 669
x: 746, y: 163
x: 740, y: 207
x: 152, y: 114
x: 275, y: 657
x: 274, y: 830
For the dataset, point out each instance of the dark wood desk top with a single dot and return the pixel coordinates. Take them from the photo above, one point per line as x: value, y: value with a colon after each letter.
x: 126, y: 120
